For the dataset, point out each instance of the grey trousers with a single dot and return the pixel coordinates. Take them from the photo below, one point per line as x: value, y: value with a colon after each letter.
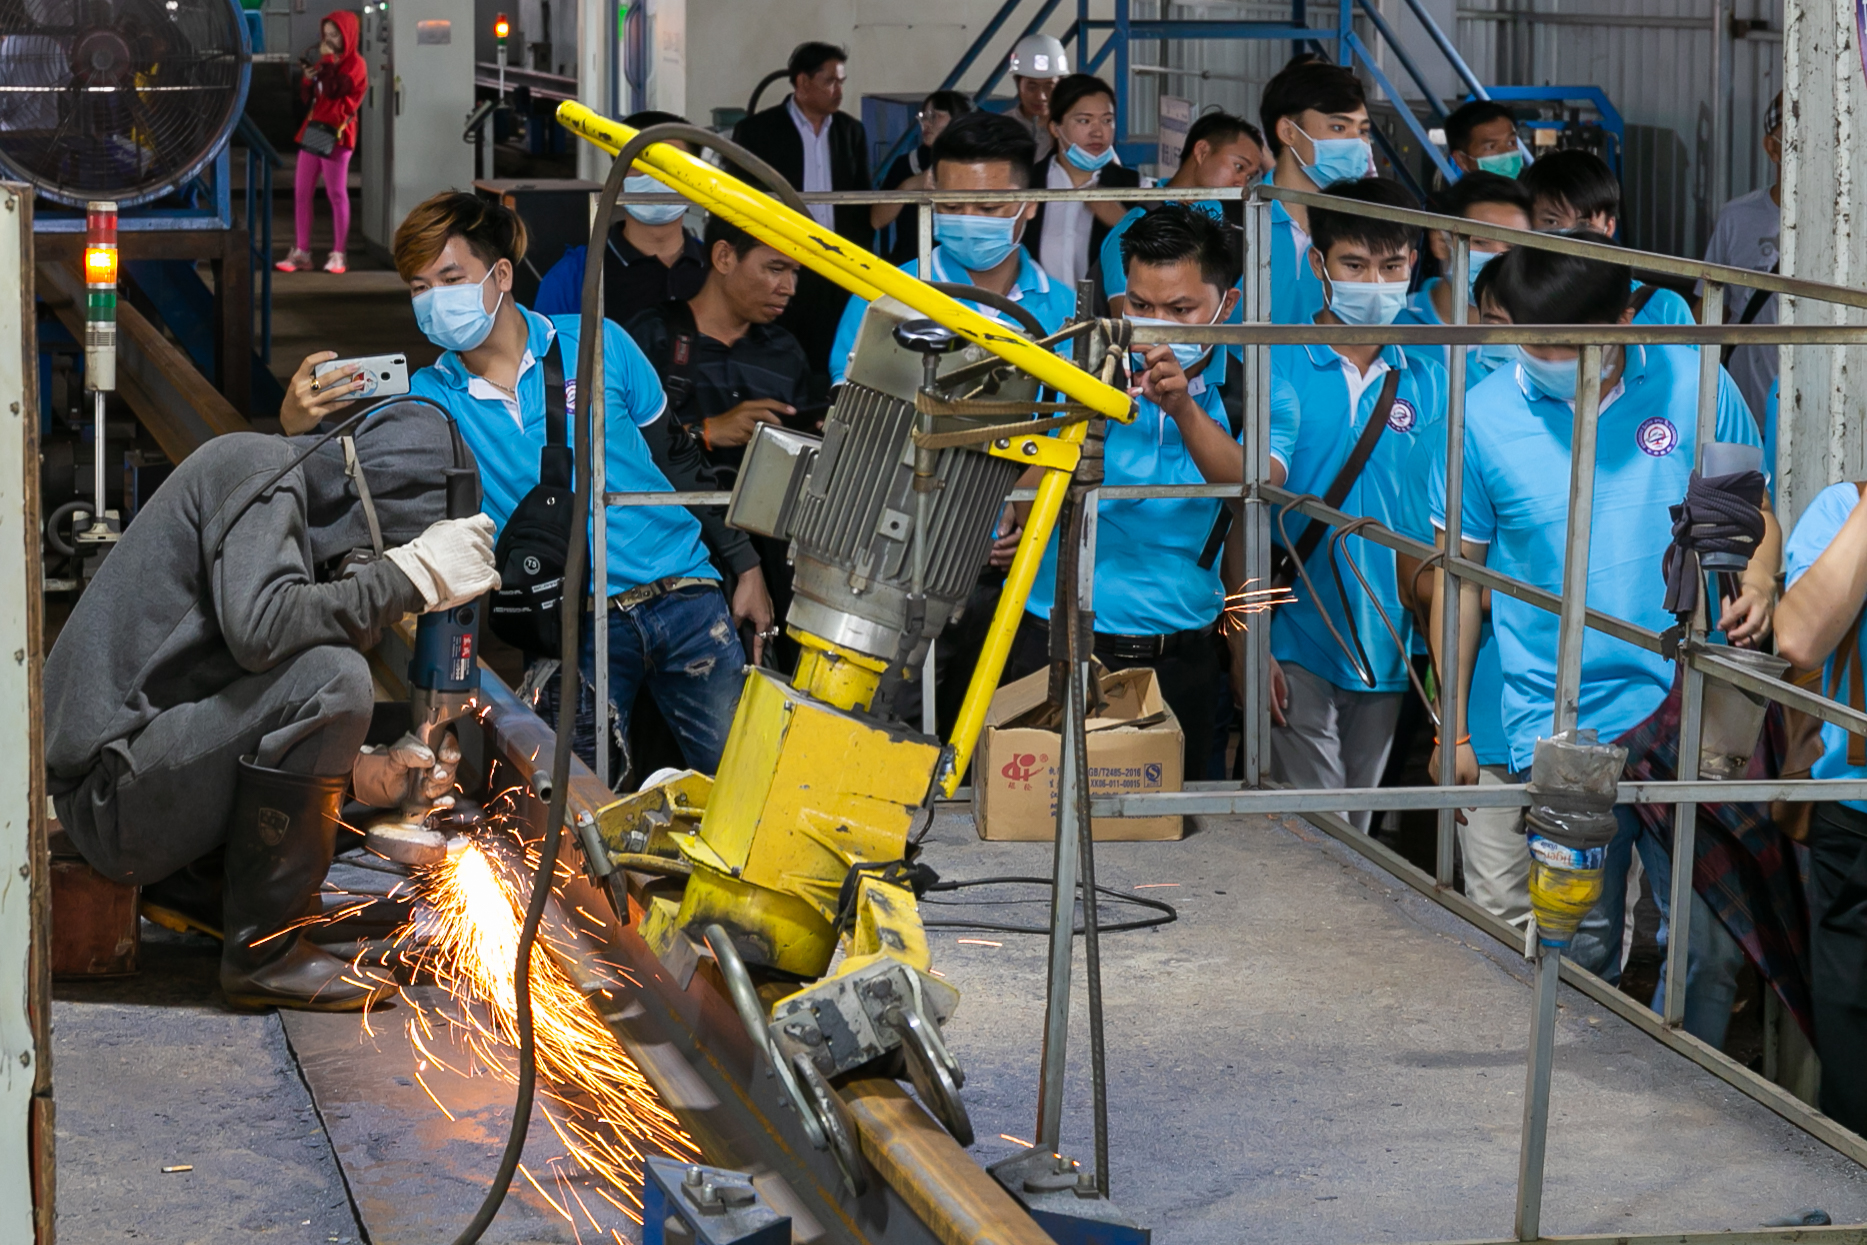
x: 1497, y: 855
x: 161, y: 798
x: 1333, y: 737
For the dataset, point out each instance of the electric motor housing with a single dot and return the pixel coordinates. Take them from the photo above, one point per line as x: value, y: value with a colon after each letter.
x: 846, y: 502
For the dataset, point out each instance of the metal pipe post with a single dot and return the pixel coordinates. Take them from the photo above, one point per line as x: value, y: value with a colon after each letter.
x: 599, y: 627
x: 1071, y: 790
x: 1451, y: 583
x: 1256, y: 526
x: 97, y: 456
x: 1536, y: 1097
x: 1575, y: 553
x: 1076, y: 726
x: 1571, y: 627
x: 1692, y: 691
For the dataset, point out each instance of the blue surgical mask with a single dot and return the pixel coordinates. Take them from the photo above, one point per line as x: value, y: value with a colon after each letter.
x: 977, y: 243
x: 454, y: 317
x: 651, y: 213
x: 1338, y: 159
x: 1186, y: 354
x: 1476, y: 265
x: 1508, y: 164
x: 1557, y: 379
x: 1489, y: 357
x: 1365, y: 303
x: 1086, y: 162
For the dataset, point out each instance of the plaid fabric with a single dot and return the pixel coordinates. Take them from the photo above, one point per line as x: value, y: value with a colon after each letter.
x: 1744, y: 867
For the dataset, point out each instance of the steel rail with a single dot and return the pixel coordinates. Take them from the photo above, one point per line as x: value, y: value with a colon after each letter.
x: 1509, y: 334
x: 689, y: 1042
x: 1643, y: 261
x: 1507, y: 795
x: 924, y: 198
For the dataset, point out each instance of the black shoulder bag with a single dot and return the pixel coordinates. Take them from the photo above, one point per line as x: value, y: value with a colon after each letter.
x: 533, y: 546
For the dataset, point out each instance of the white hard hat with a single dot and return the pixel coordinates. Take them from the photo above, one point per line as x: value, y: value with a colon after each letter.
x: 1039, y: 56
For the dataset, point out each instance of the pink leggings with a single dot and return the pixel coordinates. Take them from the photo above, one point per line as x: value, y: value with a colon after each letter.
x: 335, y: 169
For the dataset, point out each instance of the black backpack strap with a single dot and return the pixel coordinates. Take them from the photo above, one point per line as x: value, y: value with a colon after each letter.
x: 554, y: 460
x: 1752, y: 310
x: 1352, y: 469
x: 1232, y: 398
x: 684, y: 337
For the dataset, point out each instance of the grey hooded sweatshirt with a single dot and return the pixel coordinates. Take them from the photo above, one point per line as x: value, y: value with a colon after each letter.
x: 177, y: 615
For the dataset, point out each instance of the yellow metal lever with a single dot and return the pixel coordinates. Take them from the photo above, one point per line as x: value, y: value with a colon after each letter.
x: 842, y: 261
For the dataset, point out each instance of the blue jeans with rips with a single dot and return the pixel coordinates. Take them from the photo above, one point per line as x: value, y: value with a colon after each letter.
x: 682, y: 647
x: 1713, y: 957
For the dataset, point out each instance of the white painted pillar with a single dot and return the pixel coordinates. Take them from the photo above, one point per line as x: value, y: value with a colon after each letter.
x: 596, y: 49
x: 25, y: 1029
x: 667, y: 58
x: 1823, y: 404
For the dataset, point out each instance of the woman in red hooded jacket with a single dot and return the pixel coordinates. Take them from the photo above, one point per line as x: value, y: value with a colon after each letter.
x: 335, y: 86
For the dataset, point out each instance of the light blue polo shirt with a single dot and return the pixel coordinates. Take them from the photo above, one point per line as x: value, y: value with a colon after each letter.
x: 1148, y: 579
x: 1480, y: 361
x: 1045, y: 297
x: 1517, y: 501
x: 1664, y: 307
x: 1769, y: 436
x: 1328, y: 430
x: 1815, y: 531
x: 1483, y: 716
x: 1296, y: 293
x: 646, y: 543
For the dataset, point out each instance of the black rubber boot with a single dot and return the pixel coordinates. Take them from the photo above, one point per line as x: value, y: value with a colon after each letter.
x: 188, y: 900
x: 279, y: 846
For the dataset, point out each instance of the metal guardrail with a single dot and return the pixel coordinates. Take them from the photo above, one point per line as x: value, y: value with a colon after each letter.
x: 1701, y: 661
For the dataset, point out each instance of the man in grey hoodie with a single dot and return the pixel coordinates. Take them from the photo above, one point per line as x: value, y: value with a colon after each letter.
x: 210, y: 690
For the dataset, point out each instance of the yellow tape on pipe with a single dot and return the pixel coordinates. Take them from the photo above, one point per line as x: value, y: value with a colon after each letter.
x: 841, y: 260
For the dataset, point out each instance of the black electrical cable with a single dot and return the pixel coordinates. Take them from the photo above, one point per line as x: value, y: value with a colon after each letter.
x: 1170, y: 914
x: 590, y: 337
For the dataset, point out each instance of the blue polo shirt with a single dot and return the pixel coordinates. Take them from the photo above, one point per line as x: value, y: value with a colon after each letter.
x: 1050, y: 300
x: 1483, y: 717
x: 1328, y: 429
x: 646, y: 543
x: 1148, y: 579
x: 1480, y: 361
x: 1664, y: 307
x: 1296, y: 290
x: 1769, y: 436
x: 1815, y: 531
x: 1517, y: 501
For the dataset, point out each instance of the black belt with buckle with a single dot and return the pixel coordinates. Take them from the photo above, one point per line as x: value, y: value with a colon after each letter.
x: 1111, y: 647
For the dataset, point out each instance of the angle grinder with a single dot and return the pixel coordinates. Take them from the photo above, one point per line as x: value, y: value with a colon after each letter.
x: 444, y: 687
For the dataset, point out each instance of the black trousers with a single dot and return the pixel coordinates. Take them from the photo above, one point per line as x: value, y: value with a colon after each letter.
x: 1838, y: 958
x: 1190, y: 673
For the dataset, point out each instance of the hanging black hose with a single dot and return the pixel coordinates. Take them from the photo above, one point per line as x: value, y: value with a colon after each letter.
x: 590, y: 337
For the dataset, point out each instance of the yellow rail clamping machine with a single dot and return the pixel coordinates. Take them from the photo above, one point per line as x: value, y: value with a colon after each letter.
x: 800, y: 842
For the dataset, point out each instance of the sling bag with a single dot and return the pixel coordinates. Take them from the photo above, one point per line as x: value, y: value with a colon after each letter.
x: 528, y: 605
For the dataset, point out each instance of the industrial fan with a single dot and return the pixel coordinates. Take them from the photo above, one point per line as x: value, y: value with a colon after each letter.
x: 118, y: 99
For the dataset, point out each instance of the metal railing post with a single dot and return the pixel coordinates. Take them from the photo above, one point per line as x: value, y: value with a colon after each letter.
x: 1452, y: 583
x: 1256, y: 526
x: 599, y: 517
x: 1571, y: 625
x: 1691, y: 707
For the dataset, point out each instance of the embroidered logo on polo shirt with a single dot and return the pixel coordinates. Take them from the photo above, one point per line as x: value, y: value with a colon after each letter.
x: 1401, y: 416
x: 570, y: 394
x: 1657, y: 436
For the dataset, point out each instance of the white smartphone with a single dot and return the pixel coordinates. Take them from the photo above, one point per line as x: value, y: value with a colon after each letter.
x: 383, y: 375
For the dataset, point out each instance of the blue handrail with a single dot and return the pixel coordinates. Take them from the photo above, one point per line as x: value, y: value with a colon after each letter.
x: 261, y: 159
x: 1451, y: 53
x: 1406, y: 61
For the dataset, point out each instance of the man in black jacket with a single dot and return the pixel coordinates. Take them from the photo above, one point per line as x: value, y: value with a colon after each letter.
x: 815, y: 147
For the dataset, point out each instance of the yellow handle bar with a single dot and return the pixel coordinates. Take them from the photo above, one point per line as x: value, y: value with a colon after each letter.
x: 842, y: 261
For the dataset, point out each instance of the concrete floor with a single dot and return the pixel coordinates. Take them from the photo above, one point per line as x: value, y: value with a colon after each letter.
x: 1311, y: 1053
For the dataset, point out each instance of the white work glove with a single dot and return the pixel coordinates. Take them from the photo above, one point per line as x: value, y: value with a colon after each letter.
x: 380, y: 777
x: 451, y: 562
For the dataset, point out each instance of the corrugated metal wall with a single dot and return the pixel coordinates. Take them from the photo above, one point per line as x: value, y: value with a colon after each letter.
x: 1652, y: 57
